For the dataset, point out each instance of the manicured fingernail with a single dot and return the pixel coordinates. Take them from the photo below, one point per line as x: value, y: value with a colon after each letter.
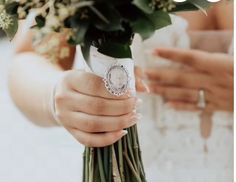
x: 131, y: 93
x: 145, y: 86
x: 124, y: 132
x: 155, y: 52
x: 136, y: 117
x: 139, y: 116
x: 134, y: 111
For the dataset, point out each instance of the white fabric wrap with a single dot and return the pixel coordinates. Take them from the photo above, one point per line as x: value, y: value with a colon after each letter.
x: 99, y: 64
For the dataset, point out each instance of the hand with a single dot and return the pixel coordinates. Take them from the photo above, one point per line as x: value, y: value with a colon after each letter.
x: 211, y: 72
x: 92, y: 115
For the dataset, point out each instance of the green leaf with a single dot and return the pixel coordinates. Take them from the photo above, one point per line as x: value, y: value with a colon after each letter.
x: 160, y: 19
x: 2, y: 2
x: 201, y: 5
x: 191, y: 5
x: 144, y: 27
x: 85, y: 49
x: 147, y: 24
x: 80, y: 32
x: 144, y: 5
x: 113, y: 19
x: 11, y: 8
x: 115, y: 50
x: 12, y: 29
x: 40, y: 20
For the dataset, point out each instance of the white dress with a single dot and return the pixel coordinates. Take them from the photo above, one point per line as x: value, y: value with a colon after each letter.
x: 173, y: 148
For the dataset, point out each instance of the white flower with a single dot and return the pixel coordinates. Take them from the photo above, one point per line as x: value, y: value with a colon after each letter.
x: 5, y: 20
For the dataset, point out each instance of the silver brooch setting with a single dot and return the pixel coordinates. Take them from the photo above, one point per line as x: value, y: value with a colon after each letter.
x: 117, y: 80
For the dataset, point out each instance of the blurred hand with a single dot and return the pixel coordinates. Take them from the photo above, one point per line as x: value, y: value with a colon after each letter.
x: 90, y: 113
x: 180, y: 87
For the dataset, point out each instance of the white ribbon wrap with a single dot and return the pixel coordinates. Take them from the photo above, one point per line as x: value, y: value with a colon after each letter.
x: 99, y: 64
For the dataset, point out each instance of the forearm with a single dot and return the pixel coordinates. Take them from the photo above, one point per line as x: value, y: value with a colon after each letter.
x: 31, y: 81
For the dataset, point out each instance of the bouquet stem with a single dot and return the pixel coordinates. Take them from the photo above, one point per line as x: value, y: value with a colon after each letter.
x: 120, y: 162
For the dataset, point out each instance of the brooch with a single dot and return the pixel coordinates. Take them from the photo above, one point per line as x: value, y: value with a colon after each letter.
x: 117, y: 80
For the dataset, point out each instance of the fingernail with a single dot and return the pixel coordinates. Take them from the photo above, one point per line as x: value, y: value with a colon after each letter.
x: 130, y: 93
x: 134, y: 111
x: 145, y: 86
x: 124, y: 132
x: 155, y: 52
x: 139, y: 116
x: 136, y: 117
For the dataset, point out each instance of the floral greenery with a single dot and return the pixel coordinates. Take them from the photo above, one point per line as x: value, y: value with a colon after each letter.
x: 96, y: 22
x: 108, y: 25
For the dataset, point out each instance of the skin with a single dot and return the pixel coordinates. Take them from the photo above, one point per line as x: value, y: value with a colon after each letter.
x: 199, y: 70
x: 215, y: 19
x: 212, y: 72
x: 82, y: 104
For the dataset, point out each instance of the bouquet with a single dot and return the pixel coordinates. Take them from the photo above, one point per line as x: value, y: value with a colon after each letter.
x: 109, y: 26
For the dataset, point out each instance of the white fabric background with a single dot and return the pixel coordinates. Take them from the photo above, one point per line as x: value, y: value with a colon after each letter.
x: 29, y: 153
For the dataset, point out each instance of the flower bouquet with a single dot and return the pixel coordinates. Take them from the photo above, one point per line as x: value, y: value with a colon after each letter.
x: 107, y: 26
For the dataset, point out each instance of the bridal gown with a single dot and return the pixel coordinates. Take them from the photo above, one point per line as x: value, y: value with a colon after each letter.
x: 172, y: 146
x: 173, y: 149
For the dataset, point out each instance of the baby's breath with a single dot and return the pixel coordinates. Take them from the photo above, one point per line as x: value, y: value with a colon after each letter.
x: 165, y: 5
x: 5, y: 20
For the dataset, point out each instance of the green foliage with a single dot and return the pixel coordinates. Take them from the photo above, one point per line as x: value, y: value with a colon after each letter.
x: 143, y: 5
x: 115, y: 50
x: 101, y: 22
x: 12, y: 29
x: 2, y: 2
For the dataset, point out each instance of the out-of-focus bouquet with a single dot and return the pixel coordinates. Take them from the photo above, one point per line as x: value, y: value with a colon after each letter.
x: 105, y: 24
x: 108, y: 25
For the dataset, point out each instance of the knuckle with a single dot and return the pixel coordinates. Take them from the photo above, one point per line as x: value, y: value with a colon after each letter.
x: 187, y: 96
x: 98, y: 105
x: 122, y: 124
x: 190, y: 59
x: 91, y: 126
x: 128, y: 105
x: 179, y: 79
x: 60, y: 97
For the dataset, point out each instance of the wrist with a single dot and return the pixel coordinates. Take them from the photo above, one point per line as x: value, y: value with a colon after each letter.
x: 51, y: 101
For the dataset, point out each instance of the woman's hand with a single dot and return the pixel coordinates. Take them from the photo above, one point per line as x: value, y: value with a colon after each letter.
x: 212, y: 73
x: 92, y: 115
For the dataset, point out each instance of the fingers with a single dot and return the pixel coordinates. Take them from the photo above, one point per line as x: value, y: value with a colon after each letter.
x: 141, y: 86
x: 90, y: 84
x: 203, y: 61
x: 174, y: 77
x: 95, y: 124
x: 97, y: 139
x: 99, y: 106
x: 177, y: 94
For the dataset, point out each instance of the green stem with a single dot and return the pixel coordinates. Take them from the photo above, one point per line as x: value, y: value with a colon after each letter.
x: 110, y: 164
x: 121, y: 163
x: 116, y: 174
x: 129, y: 144
x: 132, y: 168
x: 87, y: 164
x: 100, y: 165
x: 135, y: 148
x: 91, y: 165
